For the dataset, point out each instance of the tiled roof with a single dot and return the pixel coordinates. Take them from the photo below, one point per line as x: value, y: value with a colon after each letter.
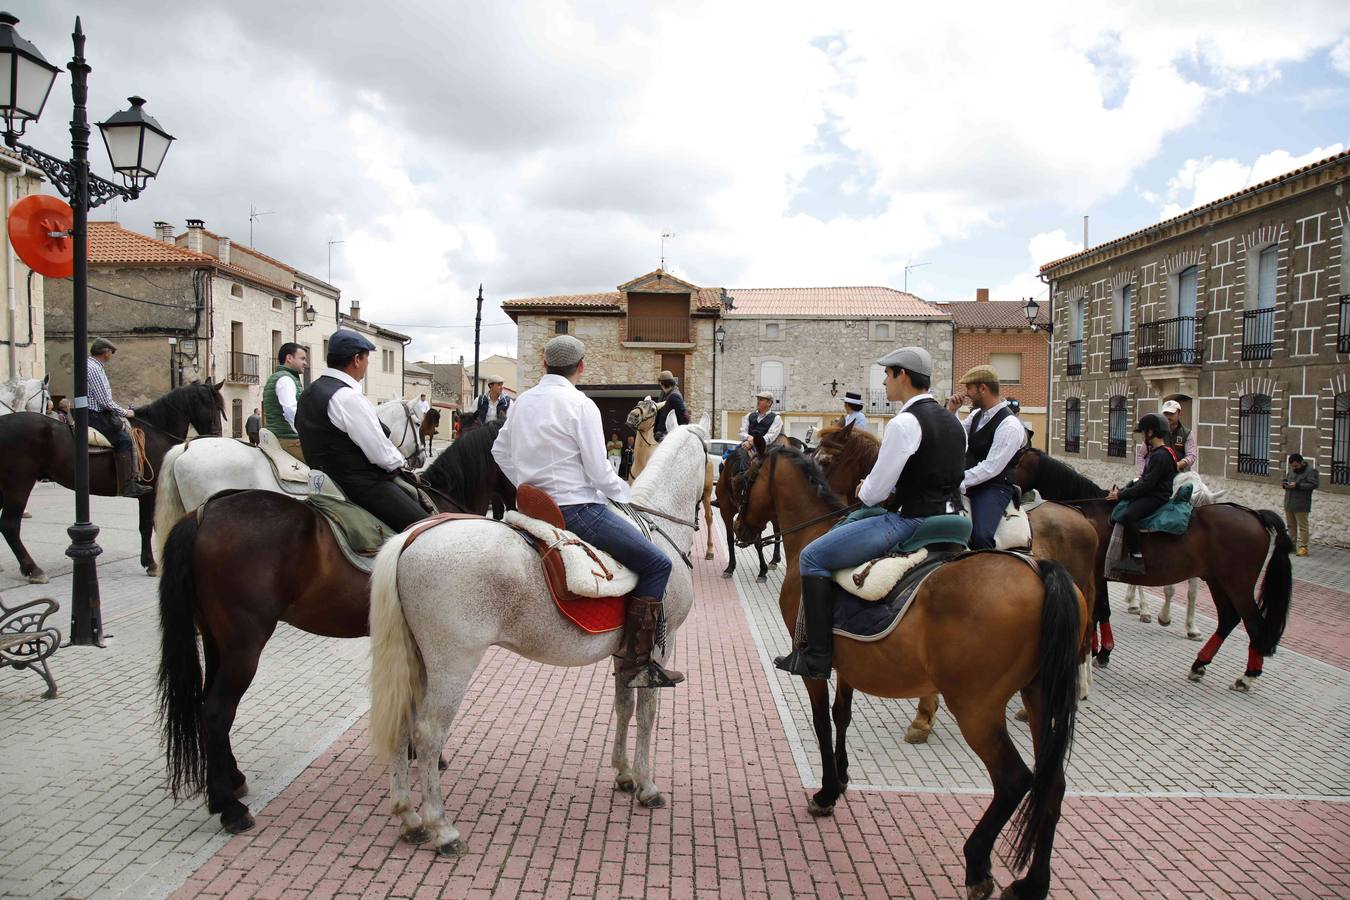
x: 831, y: 301
x: 991, y: 314
x: 1256, y: 188
x: 111, y: 244
x: 605, y: 300
x: 236, y: 247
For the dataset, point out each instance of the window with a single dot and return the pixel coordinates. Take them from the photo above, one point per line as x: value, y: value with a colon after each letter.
x: 1124, y: 311
x: 1118, y: 423
x: 1254, y: 434
x: 1187, y: 283
x: 881, y: 331
x: 236, y: 290
x: 771, y: 379
x: 1340, y: 441
x: 237, y: 418
x: 1073, y: 424
x: 1267, y: 267
x: 276, y: 348
x: 560, y: 326
x: 276, y: 304
x: 772, y: 331
x: 1078, y: 319
x: 876, y: 390
x: 1008, y: 366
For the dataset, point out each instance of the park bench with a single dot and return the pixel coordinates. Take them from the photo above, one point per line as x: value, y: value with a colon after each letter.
x: 26, y: 641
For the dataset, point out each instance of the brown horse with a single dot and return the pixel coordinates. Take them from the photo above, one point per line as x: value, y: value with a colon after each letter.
x: 429, y: 428
x: 1026, y: 627
x: 242, y: 563
x: 1234, y: 549
x: 35, y: 446
x: 728, y: 502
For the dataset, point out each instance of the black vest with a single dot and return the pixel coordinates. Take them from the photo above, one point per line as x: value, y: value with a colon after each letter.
x: 327, y: 447
x: 980, y: 442
x: 756, y: 424
x: 1177, y: 441
x: 932, y: 476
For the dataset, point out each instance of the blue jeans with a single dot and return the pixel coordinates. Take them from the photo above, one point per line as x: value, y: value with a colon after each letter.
x: 109, y: 424
x: 597, y: 524
x: 856, y: 543
x: 987, y: 504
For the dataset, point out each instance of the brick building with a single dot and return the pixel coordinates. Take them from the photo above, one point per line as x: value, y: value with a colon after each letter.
x: 1240, y: 310
x: 996, y: 333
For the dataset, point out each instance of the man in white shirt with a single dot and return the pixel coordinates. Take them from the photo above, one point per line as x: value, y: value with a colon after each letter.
x: 917, y: 475
x: 763, y: 422
x: 494, y: 405
x: 342, y: 437
x: 853, y: 404
x: 280, y: 394
x: 993, y: 437
x: 554, y: 440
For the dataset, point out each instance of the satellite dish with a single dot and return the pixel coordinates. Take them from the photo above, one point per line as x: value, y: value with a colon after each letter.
x: 32, y: 223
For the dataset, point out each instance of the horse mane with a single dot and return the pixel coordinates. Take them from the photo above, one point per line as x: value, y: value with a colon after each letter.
x: 174, y: 401
x: 813, y: 474
x: 1056, y: 480
x: 861, y: 447
x: 466, y: 464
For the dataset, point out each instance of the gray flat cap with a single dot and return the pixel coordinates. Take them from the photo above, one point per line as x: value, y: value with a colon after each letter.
x: 345, y: 342
x: 563, y: 350
x: 915, y: 359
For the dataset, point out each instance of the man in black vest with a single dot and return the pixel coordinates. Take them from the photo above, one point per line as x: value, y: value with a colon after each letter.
x: 1149, y: 492
x: 495, y: 404
x: 673, y: 401
x: 917, y: 474
x: 340, y: 435
x: 993, y: 437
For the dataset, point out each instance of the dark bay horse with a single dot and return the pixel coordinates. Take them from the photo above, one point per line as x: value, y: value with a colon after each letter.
x: 1234, y: 549
x: 242, y: 563
x: 727, y: 502
x: 35, y: 446
x: 1024, y: 626
x: 429, y: 428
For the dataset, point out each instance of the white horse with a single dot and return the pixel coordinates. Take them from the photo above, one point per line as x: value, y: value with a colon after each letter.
x: 30, y: 395
x: 430, y: 624
x: 1136, y: 600
x: 193, y: 472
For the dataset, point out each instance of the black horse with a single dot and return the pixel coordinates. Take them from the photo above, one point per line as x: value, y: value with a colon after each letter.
x: 35, y: 446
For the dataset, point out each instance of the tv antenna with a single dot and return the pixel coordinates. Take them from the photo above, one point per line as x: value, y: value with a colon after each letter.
x: 664, y: 235
x: 330, y: 259
x: 909, y: 266
x: 253, y: 213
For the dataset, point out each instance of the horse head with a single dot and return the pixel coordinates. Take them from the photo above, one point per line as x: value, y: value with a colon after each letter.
x: 206, y: 408
x: 643, y: 416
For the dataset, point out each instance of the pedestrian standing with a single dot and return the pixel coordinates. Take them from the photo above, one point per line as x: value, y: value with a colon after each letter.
x: 1299, y: 483
x: 253, y: 425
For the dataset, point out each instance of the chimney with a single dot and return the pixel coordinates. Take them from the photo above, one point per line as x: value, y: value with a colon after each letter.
x: 223, y: 250
x: 982, y: 295
x: 195, y: 229
x: 356, y: 310
x: 164, y: 231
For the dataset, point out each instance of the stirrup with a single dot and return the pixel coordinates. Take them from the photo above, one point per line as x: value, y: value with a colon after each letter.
x: 803, y: 663
x: 655, y: 676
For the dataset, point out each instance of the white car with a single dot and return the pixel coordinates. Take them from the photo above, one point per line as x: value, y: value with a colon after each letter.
x: 716, y: 449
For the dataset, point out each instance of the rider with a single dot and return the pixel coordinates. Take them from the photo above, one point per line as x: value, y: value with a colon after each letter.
x: 920, y: 460
x: 342, y: 437
x: 673, y: 400
x: 993, y: 437
x: 555, y: 442
x: 495, y: 399
x: 1148, y: 493
x: 106, y: 415
x: 853, y: 404
x: 763, y: 422
x: 1178, y: 437
x: 280, y: 395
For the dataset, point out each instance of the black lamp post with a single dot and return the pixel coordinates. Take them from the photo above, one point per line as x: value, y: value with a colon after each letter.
x: 1030, y: 309
x: 719, y: 344
x: 136, y: 147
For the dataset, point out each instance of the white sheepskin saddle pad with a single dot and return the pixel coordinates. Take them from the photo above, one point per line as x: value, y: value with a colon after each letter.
x: 591, y: 572
x: 1014, y: 532
x: 874, y: 580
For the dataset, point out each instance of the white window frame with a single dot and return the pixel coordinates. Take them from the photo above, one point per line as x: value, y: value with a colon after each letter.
x: 1002, y: 379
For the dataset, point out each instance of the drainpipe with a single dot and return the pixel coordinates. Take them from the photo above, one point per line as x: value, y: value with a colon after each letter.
x: 1050, y: 364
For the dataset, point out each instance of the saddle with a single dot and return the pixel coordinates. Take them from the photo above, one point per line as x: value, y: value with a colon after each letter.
x: 1014, y: 531
x: 293, y: 476
x: 98, y: 444
x: 358, y: 533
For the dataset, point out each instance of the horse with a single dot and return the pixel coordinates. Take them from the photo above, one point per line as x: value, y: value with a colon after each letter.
x: 727, y: 502
x: 31, y: 395
x: 1024, y: 621
x: 1235, y: 550
x: 430, y: 427
x: 1136, y: 598
x: 404, y: 422
x: 431, y: 624
x: 37, y: 446
x: 246, y: 561
x: 642, y: 419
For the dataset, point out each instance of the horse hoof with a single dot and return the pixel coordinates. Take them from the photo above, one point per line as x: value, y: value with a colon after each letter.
x: 1241, y: 686
x: 1196, y: 674
x: 1104, y: 657
x: 1132, y: 608
x: 442, y: 763
x: 1145, y: 618
x: 626, y: 783
x: 657, y: 800
x: 982, y: 891
x: 37, y: 578
x: 760, y: 579
x: 241, y: 791
x: 457, y: 847
x: 915, y: 735
x: 152, y: 571
x: 817, y: 811
x: 240, y: 824
x: 707, y: 556
x: 726, y: 573
x: 1022, y: 715
x: 1193, y: 635
x: 1164, y: 622
x: 419, y: 835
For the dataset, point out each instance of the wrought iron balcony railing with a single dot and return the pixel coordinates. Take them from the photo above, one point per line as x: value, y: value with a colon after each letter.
x: 1258, y: 333
x: 657, y: 329
x: 1120, y: 351
x: 1075, y: 366
x: 1343, y: 335
x: 1170, y: 342
x: 1071, y: 443
x: 877, y: 402
x: 243, y: 368
x: 1116, y: 446
x: 779, y: 394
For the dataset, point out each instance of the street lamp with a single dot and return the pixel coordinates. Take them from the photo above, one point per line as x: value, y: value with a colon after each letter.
x: 1030, y: 309
x: 719, y: 344
x: 136, y: 147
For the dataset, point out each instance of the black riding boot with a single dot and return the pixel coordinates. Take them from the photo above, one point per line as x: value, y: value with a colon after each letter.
x: 126, y: 474
x: 635, y: 667
x: 814, y: 660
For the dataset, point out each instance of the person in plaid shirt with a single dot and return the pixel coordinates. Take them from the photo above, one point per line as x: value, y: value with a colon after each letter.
x: 106, y: 415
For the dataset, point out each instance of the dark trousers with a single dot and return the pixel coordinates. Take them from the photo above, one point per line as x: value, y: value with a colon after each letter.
x: 1139, y: 509
x: 597, y: 524
x: 386, y: 501
x: 987, y: 504
x: 109, y: 424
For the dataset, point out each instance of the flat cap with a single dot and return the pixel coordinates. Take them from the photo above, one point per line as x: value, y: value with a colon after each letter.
x: 563, y: 350
x: 980, y: 375
x: 345, y: 342
x: 915, y: 359
x: 101, y: 344
x: 495, y: 379
x: 764, y: 395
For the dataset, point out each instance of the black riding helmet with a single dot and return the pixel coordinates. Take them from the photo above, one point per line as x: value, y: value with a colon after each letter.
x: 1154, y: 422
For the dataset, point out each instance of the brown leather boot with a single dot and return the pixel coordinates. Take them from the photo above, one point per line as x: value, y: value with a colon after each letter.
x: 635, y: 666
x: 126, y: 474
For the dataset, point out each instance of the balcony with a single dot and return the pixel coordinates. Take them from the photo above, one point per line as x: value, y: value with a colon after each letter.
x: 1116, y: 446
x: 877, y: 402
x: 657, y: 330
x: 1253, y: 465
x: 243, y: 368
x: 1120, y: 351
x: 1075, y: 366
x: 1258, y: 333
x: 779, y: 394
x: 1071, y: 443
x: 1343, y: 335
x: 1170, y: 342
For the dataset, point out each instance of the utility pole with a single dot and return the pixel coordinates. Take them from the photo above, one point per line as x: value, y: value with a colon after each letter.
x: 330, y: 259
x: 477, y: 332
x: 254, y: 214
x: 907, y: 268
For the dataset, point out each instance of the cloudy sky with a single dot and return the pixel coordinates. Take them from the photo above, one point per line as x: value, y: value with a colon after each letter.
x: 545, y: 147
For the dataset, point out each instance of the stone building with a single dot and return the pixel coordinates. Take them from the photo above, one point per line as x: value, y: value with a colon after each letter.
x: 384, y: 377
x: 1238, y: 309
x: 23, y: 334
x: 809, y: 346
x: 416, y: 380
x: 996, y: 333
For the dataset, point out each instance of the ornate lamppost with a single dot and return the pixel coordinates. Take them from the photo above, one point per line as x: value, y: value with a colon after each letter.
x: 719, y: 345
x: 136, y: 147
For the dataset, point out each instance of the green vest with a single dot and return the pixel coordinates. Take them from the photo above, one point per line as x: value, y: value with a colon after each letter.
x: 273, y: 419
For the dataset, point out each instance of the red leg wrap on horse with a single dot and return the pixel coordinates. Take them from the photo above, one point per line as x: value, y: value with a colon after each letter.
x: 1206, y: 654
x: 1254, y: 661
x: 1108, y: 639
x: 1095, y: 644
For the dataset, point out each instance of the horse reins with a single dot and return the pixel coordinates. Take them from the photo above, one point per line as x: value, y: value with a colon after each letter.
x: 773, y: 538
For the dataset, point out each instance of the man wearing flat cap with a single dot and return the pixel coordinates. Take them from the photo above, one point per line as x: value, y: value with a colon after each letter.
x: 993, y: 437
x: 555, y: 441
x: 495, y: 404
x: 341, y: 436
x: 763, y: 422
x: 917, y: 474
x: 672, y: 401
x: 853, y: 404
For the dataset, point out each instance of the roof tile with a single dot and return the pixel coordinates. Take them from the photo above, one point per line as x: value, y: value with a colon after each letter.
x: 831, y: 301
x: 991, y: 314
x: 111, y: 244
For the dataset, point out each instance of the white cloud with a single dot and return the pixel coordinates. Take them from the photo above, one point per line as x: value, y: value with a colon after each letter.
x: 1045, y: 247
x: 1340, y: 57
x: 1201, y: 181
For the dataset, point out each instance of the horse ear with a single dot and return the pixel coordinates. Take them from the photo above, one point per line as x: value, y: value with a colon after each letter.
x: 759, y: 444
x: 847, y: 432
x: 46, y: 378
x: 218, y: 386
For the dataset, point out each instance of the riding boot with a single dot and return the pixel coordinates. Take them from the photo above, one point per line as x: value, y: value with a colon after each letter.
x: 815, y: 659
x: 635, y: 666
x: 126, y: 474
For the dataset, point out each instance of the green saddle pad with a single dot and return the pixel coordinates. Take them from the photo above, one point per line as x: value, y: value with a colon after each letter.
x: 947, y: 529
x: 363, y: 533
x: 1171, y: 518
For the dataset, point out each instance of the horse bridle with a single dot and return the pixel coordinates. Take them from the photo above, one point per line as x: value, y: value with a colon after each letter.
x: 407, y: 425
x: 749, y: 483
x: 43, y: 391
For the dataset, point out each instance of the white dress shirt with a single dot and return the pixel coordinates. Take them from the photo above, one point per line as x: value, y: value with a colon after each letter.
x: 554, y: 440
x: 285, y: 388
x: 352, y: 413
x: 857, y: 418
x: 902, y: 437
x: 771, y: 435
x: 1009, y: 438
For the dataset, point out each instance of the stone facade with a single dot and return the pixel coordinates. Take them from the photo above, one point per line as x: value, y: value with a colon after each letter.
x: 1276, y: 340
x: 22, y: 333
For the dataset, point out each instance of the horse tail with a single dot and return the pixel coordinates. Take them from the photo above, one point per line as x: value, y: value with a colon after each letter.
x: 397, y: 677
x: 168, y: 501
x: 1057, y: 685
x: 180, y: 669
x: 1276, y: 587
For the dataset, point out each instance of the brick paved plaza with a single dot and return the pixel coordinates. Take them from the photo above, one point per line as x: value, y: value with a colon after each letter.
x: 1178, y: 789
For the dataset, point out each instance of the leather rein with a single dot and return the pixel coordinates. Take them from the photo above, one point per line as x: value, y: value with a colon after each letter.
x: 776, y: 535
